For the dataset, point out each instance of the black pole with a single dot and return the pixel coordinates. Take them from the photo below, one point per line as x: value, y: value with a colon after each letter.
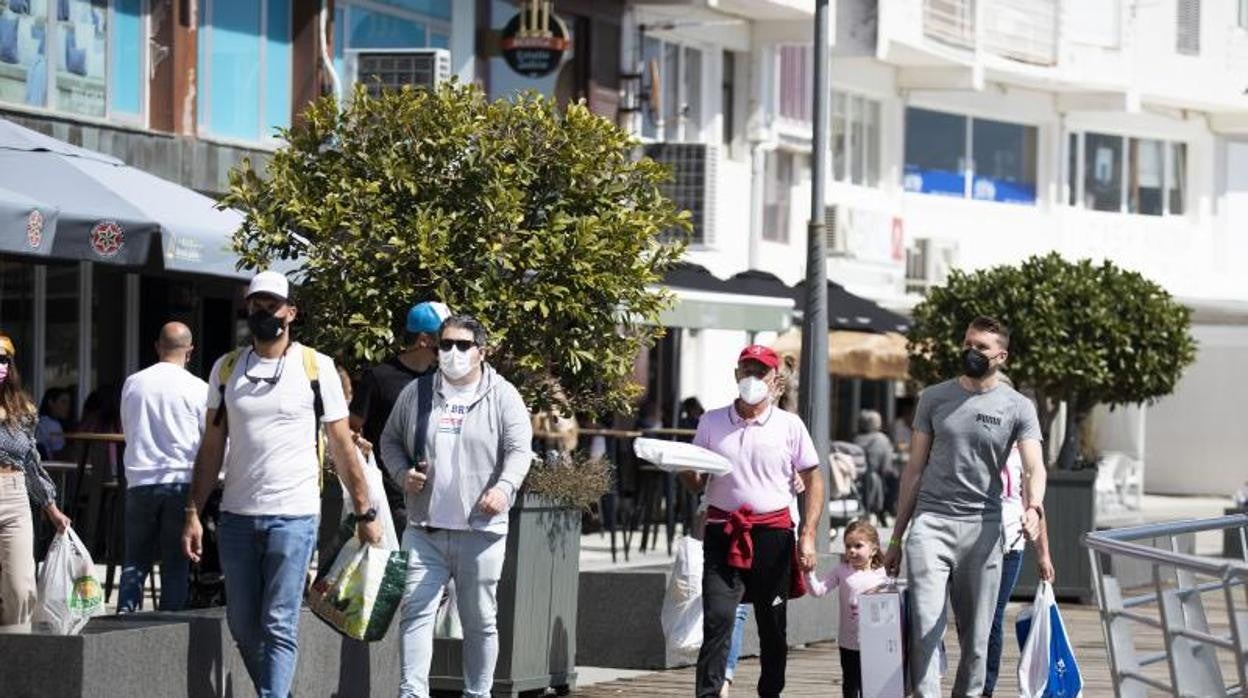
x: 815, y: 392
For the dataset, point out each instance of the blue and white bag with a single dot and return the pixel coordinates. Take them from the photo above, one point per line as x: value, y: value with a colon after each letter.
x: 1046, y: 666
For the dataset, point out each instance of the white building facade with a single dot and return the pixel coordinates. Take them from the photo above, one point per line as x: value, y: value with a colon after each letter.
x: 969, y: 134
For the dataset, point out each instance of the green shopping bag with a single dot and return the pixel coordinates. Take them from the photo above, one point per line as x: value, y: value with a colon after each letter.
x: 359, y: 593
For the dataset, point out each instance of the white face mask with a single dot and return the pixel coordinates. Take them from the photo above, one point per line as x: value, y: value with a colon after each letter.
x: 753, y: 390
x: 455, y: 364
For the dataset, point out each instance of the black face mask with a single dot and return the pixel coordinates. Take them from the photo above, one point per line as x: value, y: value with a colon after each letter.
x: 975, y: 364
x: 265, y: 326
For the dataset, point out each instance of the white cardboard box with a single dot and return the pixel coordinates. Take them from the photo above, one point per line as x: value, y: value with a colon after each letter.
x: 881, y: 642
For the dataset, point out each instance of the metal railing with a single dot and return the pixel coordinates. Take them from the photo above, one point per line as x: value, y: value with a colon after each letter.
x: 1178, y: 603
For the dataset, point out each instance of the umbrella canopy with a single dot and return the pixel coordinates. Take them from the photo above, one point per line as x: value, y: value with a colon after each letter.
x: 26, y: 226
x: 874, y: 356
x: 109, y: 212
x: 847, y: 311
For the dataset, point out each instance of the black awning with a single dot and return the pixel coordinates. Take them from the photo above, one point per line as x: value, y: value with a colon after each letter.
x: 847, y: 311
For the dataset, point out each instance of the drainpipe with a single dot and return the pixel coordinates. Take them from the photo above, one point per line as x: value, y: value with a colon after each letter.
x: 326, y: 59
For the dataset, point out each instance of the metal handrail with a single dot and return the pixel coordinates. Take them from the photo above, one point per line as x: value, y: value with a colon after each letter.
x: 1190, y: 645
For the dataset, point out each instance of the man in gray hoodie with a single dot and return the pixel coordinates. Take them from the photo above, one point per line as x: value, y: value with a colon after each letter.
x: 460, y: 442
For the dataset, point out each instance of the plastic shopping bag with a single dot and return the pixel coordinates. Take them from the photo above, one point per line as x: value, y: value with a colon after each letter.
x: 376, y: 499
x: 1047, y: 666
x: 682, y: 605
x: 446, y: 624
x: 69, y: 591
x: 359, y: 594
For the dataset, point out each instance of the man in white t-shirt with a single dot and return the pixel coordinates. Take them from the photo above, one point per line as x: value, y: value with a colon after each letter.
x: 162, y: 416
x: 461, y: 444
x: 267, y: 405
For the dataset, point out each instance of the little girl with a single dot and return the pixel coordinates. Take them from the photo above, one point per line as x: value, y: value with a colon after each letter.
x: 861, y: 569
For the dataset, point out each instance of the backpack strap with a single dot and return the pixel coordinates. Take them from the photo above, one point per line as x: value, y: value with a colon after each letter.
x: 424, y: 407
x: 312, y: 369
x: 224, y: 371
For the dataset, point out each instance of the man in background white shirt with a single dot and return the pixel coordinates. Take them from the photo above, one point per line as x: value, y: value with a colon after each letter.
x: 162, y: 415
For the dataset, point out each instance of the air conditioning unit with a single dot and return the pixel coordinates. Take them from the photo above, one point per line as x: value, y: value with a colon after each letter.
x: 392, y: 69
x: 836, y: 230
x: 928, y: 263
x: 695, y: 167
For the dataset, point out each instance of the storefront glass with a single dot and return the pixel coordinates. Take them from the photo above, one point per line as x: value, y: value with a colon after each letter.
x: 60, y: 364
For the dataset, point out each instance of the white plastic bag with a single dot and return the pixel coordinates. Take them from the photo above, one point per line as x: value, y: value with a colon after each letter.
x: 376, y: 499
x: 1033, y: 662
x: 682, y: 605
x: 447, y: 624
x: 69, y: 591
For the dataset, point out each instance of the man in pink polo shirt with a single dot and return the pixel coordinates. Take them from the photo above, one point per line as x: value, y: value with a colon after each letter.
x: 750, y: 553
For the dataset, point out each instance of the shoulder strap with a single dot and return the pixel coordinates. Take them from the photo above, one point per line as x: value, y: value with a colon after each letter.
x: 312, y: 369
x: 424, y: 407
x: 224, y: 371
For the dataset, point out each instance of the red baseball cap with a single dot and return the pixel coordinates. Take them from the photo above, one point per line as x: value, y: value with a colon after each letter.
x: 763, y: 355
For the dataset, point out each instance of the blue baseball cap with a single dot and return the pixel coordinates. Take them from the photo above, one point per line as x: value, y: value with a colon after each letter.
x: 427, y: 317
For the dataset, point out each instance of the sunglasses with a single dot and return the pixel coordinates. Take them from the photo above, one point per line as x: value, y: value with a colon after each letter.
x: 5, y: 359
x: 460, y: 344
x: 270, y: 380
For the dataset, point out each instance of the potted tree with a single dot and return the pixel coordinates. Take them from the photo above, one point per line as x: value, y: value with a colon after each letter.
x: 538, y: 220
x: 1082, y: 334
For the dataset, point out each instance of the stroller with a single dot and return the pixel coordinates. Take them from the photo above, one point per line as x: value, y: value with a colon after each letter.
x: 855, y: 490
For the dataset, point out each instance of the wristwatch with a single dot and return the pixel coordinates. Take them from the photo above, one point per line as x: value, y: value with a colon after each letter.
x: 1039, y: 510
x: 367, y: 517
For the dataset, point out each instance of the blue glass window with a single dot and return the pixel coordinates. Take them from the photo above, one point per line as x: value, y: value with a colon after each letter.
x: 377, y: 30
x: 245, y: 64
x: 277, y: 67
x: 126, y: 71
x: 935, y: 152
x: 440, y: 9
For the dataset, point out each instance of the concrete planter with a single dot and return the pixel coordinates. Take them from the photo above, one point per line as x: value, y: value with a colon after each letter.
x: 186, y: 654
x: 1070, y: 509
x: 537, y: 606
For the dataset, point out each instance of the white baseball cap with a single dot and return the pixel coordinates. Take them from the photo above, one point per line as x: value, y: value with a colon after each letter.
x: 269, y: 282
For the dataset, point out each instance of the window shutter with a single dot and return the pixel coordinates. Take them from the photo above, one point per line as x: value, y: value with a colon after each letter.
x: 1187, y: 28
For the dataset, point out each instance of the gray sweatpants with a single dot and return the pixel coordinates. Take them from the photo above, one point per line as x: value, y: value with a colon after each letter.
x: 958, y: 559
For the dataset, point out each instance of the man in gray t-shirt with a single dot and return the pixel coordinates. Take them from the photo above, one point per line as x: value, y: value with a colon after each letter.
x: 964, y: 429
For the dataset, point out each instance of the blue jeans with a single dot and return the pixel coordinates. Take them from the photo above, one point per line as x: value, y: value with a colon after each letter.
x: 1010, y: 565
x: 265, y: 560
x: 734, y: 645
x: 474, y: 559
x: 154, y: 518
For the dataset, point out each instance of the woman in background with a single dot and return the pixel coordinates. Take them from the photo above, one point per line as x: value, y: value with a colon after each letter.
x: 23, y: 482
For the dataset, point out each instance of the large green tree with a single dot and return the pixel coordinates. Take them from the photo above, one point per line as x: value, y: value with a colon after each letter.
x: 1081, y: 332
x: 539, y: 220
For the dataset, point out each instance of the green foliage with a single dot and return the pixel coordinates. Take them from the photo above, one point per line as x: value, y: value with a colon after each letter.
x: 537, y: 220
x: 1080, y: 332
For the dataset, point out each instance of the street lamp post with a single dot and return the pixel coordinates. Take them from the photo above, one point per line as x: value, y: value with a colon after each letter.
x: 815, y: 388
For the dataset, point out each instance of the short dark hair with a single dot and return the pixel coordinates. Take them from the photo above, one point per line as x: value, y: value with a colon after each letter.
x: 985, y: 323
x: 466, y: 322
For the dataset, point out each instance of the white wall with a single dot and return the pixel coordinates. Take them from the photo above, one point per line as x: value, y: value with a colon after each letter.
x: 1195, y: 442
x: 707, y: 360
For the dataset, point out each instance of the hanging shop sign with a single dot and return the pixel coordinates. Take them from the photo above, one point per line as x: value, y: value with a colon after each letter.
x: 534, y: 41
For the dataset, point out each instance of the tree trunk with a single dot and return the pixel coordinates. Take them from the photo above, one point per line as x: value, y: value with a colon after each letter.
x: 1069, y: 454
